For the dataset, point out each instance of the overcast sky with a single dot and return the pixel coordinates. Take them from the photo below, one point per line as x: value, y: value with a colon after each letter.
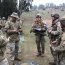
x: 57, y: 2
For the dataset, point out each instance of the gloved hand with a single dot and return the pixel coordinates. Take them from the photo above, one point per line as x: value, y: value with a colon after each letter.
x: 32, y: 30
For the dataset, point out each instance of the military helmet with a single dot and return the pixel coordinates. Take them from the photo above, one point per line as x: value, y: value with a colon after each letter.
x: 38, y: 16
x: 55, y: 16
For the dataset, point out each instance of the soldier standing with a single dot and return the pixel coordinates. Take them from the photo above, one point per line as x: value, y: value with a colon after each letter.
x: 13, y: 28
x: 39, y: 29
x: 3, y: 43
x: 61, y: 51
x: 55, y: 34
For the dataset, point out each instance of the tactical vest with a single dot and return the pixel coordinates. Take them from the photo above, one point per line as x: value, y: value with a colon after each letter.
x: 14, y: 36
x: 54, y: 37
x: 54, y: 27
x: 41, y: 32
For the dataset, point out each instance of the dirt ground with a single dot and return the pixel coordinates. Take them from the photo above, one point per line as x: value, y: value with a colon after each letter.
x: 29, y: 50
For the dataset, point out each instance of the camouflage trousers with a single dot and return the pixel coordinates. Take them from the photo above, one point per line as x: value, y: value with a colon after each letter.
x: 12, y: 51
x: 16, y: 49
x: 4, y: 62
x: 40, y: 41
x: 55, y: 56
x: 62, y: 62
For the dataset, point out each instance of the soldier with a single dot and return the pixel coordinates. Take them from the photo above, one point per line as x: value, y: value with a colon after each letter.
x: 60, y: 50
x: 13, y: 28
x: 55, y: 34
x: 3, y: 24
x: 3, y: 42
x: 39, y: 29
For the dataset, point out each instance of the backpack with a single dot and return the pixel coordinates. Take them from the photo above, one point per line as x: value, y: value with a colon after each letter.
x: 62, y: 21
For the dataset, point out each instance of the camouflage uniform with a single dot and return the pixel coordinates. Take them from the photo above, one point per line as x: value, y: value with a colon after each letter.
x: 56, y: 31
x: 60, y: 50
x: 3, y: 21
x: 39, y: 30
x: 55, y: 36
x: 14, y: 37
x: 3, y: 42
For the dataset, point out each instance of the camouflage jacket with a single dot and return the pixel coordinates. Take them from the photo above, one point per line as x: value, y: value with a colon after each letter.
x: 39, y: 28
x: 56, y: 27
x: 56, y: 30
x: 12, y: 26
x: 61, y: 49
x: 3, y: 43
